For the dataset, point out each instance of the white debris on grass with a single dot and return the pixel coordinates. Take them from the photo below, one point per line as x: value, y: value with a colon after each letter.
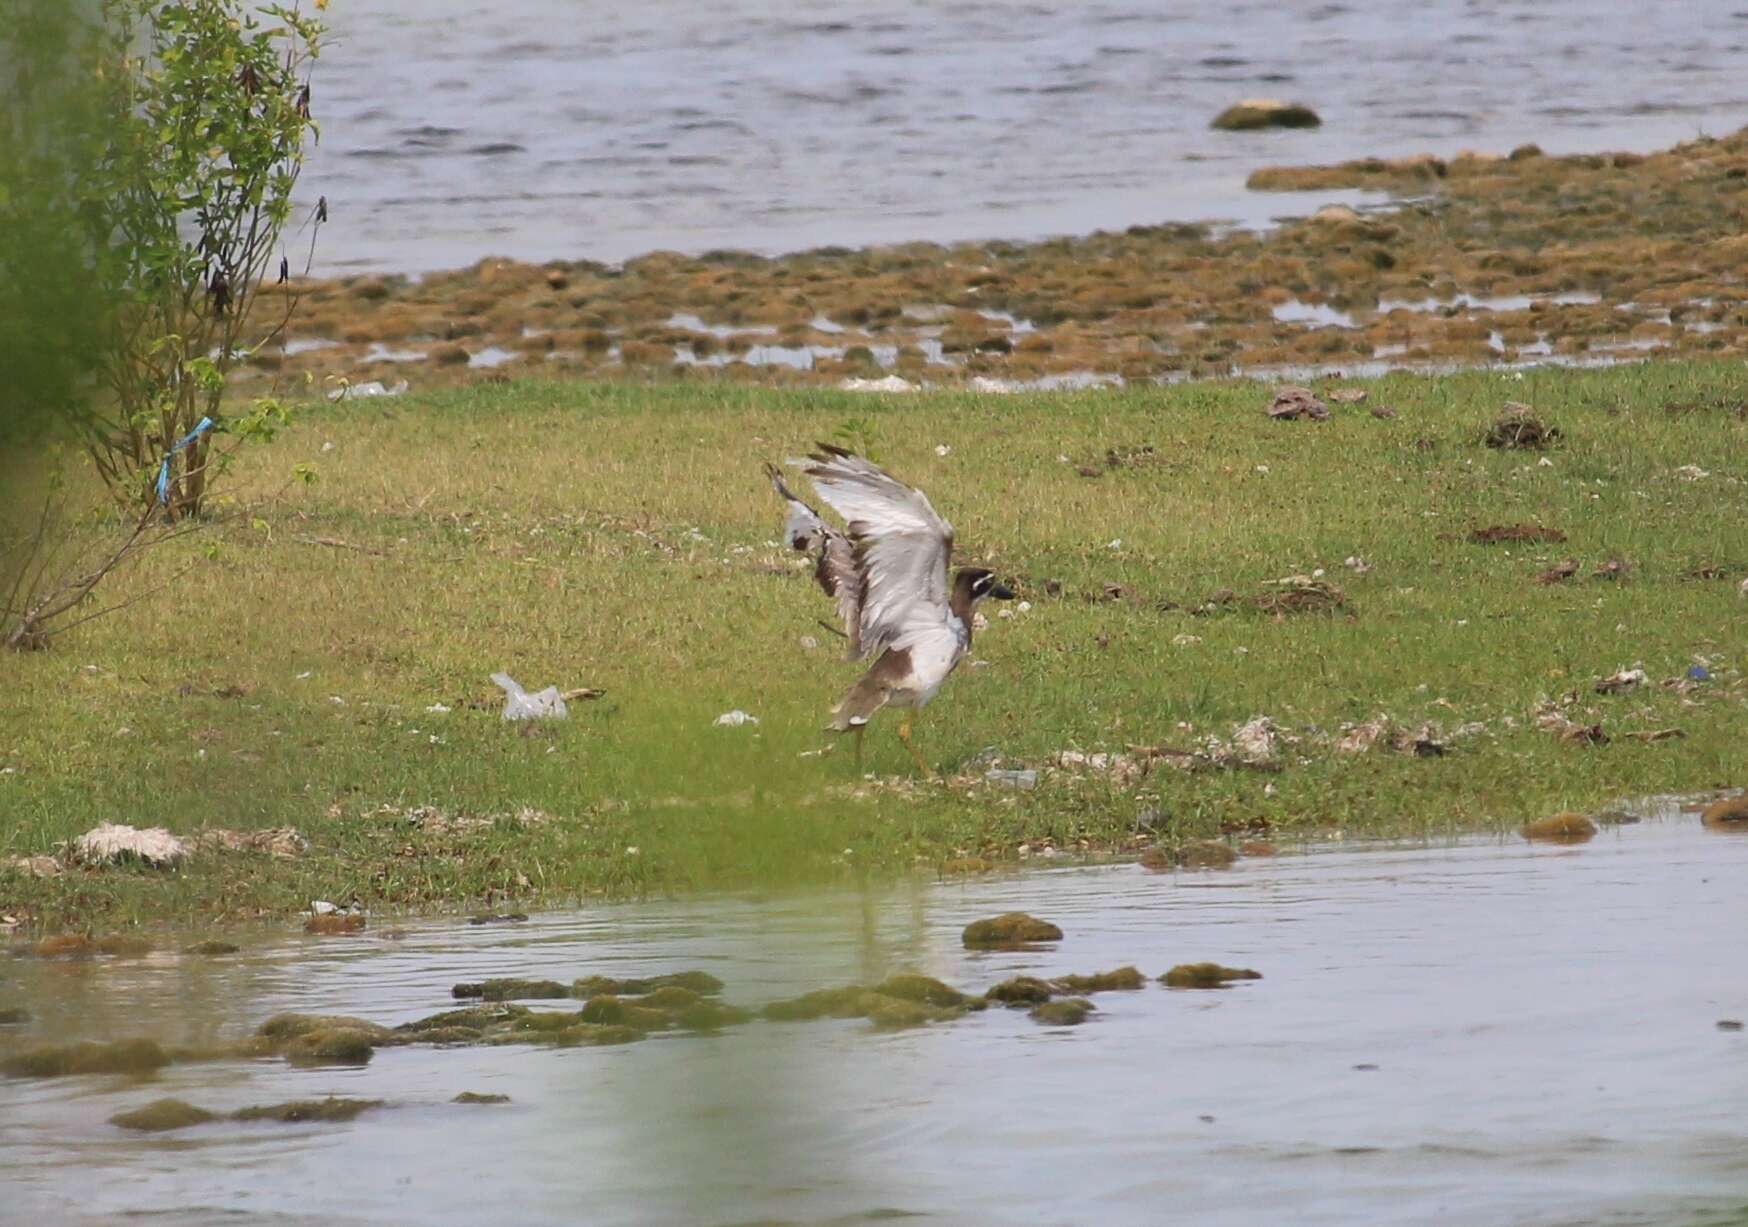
x: 890, y: 383
x: 545, y: 704
x: 735, y: 718
x: 114, y: 843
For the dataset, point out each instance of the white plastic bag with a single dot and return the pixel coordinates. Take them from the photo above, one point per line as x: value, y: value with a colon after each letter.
x: 547, y: 704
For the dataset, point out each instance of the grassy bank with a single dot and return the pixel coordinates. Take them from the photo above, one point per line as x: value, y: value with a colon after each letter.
x: 623, y: 538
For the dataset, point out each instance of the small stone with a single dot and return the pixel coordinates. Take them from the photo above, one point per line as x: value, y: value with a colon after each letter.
x: 299, y: 1110
x: 908, y: 986
x: 1729, y: 1024
x: 1123, y: 979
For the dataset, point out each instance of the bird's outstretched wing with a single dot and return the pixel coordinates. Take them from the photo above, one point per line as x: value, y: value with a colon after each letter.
x: 835, y: 558
x: 902, y: 545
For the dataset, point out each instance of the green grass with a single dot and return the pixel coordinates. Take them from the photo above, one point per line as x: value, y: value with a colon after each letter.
x: 623, y: 537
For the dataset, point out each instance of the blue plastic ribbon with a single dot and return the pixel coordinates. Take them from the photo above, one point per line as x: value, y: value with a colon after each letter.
x: 200, y: 428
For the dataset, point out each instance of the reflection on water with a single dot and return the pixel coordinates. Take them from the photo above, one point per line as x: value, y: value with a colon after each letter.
x: 577, y: 128
x: 1484, y: 1033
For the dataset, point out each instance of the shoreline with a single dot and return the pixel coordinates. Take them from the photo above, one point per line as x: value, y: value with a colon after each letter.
x: 1474, y: 261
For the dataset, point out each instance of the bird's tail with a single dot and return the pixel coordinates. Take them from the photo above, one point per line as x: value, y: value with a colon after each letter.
x: 857, y: 707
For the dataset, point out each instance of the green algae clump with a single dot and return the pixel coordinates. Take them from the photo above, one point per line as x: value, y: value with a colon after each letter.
x: 670, y: 997
x: 213, y: 949
x: 1021, y: 990
x: 162, y: 1115
x: 1562, y: 828
x: 1010, y: 929
x: 1205, y: 975
x: 480, y: 1097
x: 603, y: 1009
x: 56, y: 1061
x: 287, y: 1027
x: 711, y: 1016
x: 1068, y: 1012
x: 1123, y: 978
x: 700, y: 982
x: 297, y: 1111
x: 472, y: 1018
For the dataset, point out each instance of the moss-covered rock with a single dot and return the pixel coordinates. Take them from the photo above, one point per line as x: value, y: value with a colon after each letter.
x: 603, y: 1009
x: 331, y: 1046
x: 162, y: 1115
x: 1009, y: 929
x: 1067, y: 1012
x: 670, y: 997
x: 843, y: 1002
x: 297, y: 1111
x: 286, y: 1027
x: 1021, y: 990
x: 511, y: 990
x: 1123, y: 978
x: 1206, y: 975
x: 700, y: 982
x: 60, y: 1060
x: 710, y: 1016
x: 908, y: 986
x: 1255, y: 113
x: 476, y: 1018
x: 480, y: 1097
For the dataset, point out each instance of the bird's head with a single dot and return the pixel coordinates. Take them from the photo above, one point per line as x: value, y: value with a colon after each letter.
x: 975, y: 583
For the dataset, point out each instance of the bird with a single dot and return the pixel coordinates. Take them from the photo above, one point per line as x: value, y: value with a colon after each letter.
x: 888, y: 571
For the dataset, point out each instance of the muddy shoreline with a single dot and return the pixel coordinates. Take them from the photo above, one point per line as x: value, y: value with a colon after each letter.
x: 1509, y: 258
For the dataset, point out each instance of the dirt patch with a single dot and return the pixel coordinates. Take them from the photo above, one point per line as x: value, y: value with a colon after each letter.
x: 1563, y: 828
x: 1293, y: 402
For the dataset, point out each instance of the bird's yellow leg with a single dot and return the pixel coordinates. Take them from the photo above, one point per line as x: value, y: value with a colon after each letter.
x: 904, y: 727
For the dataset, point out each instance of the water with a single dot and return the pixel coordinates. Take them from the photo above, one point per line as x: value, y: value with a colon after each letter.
x: 1542, y: 1023
x: 569, y: 128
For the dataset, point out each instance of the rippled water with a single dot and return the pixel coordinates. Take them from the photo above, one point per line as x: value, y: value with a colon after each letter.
x: 577, y: 128
x: 1542, y: 1023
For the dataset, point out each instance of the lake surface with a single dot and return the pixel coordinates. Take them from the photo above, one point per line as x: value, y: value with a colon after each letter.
x: 1483, y: 1033
x: 576, y: 128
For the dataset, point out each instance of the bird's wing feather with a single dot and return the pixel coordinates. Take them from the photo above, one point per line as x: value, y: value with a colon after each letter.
x: 902, y: 545
x: 835, y: 567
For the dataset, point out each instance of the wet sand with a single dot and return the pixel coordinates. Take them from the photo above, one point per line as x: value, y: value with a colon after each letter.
x: 1509, y: 258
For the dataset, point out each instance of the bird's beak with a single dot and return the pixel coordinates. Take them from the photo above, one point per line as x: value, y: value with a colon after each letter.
x: 1002, y: 592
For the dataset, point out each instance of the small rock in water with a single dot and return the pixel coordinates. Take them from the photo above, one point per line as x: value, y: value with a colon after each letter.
x: 1254, y: 113
x: 1562, y: 828
x: 162, y: 1115
x: 1020, y: 990
x: 1068, y: 1012
x: 334, y: 1046
x: 300, y: 1110
x: 1727, y: 814
x: 1205, y: 975
x: 498, y: 918
x: 212, y: 949
x: 1010, y: 929
x: 1729, y: 1024
x: 480, y: 1097
x: 511, y: 990
x: 909, y: 986
x: 1123, y: 978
